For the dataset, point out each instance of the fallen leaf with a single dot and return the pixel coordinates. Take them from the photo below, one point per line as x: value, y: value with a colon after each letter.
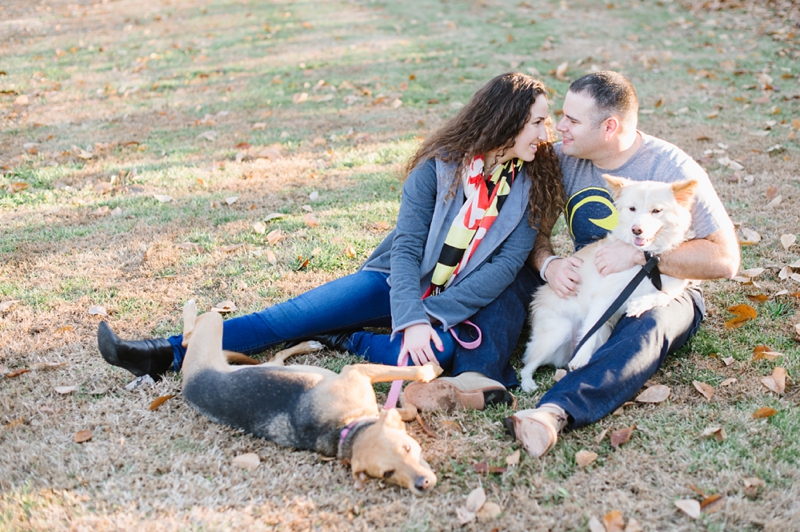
x: 690, y: 507
x: 764, y: 412
x: 17, y: 373
x: 476, y: 499
x: 482, y: 467
x: 464, y: 516
x: 269, y: 153
x: 728, y: 360
x: 249, y: 461
x: 772, y: 192
x: 600, y: 437
x: 749, y: 236
x: 785, y: 272
x: 21, y: 100
x: 513, y: 458
x: 47, y: 365
x: 209, y: 135
x: 757, y: 298
x: 307, y: 208
x: 231, y: 247
x: 300, y: 97
x: 730, y: 163
x: 561, y: 71
x: 728, y: 382
x: 762, y: 352
x: 788, y: 241
x: 65, y: 390
x: 163, y: 198
x: 705, y: 389
x: 230, y: 200
x: 303, y: 263
x: 82, y: 436
x: 613, y: 521
x: 273, y: 216
x: 490, y: 510
x: 716, y: 432
x: 595, y: 525
x: 5, y: 305
x: 260, y: 228
x: 752, y: 272
x: 258, y: 126
x: 224, y: 307
x: 752, y: 486
x: 271, y: 257
x: 633, y: 526
x: 15, y: 423
x: 382, y: 226
x: 244, y: 145
x: 712, y: 503
x: 98, y: 310
x: 349, y: 251
x: 744, y: 313
x: 777, y: 201
x: 584, y: 458
x: 654, y: 394
x: 160, y: 401
x: 618, y: 437
x: 314, y: 196
x: 274, y: 236
x: 311, y: 220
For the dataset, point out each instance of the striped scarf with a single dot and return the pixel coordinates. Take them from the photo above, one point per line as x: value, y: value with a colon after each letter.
x: 484, y: 198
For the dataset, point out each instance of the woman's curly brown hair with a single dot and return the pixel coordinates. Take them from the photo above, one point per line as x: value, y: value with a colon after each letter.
x: 492, y: 119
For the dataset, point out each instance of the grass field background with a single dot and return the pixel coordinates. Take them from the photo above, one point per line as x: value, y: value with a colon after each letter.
x: 147, y: 146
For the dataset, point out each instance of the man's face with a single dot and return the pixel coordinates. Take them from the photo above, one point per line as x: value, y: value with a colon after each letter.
x: 581, y: 138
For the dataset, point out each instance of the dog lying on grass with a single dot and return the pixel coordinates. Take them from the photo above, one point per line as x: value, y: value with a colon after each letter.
x: 305, y: 407
x: 654, y: 217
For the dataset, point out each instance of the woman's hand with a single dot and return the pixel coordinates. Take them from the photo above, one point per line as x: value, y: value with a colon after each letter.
x: 417, y: 344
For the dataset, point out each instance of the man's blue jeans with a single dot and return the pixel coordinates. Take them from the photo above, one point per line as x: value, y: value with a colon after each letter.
x: 362, y: 300
x: 619, y: 369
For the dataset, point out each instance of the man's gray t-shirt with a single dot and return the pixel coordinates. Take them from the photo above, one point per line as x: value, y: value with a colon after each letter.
x: 590, y: 212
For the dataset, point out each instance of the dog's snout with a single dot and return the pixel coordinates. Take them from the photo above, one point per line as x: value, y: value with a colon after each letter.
x: 636, y: 230
x: 424, y: 483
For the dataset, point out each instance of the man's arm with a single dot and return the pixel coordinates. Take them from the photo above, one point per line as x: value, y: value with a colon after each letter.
x: 714, y: 257
x: 560, y: 273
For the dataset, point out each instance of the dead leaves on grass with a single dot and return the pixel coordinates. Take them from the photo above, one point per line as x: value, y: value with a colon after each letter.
x: 477, y: 508
x: 743, y: 313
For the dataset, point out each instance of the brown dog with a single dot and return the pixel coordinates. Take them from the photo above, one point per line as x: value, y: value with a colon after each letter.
x: 305, y: 407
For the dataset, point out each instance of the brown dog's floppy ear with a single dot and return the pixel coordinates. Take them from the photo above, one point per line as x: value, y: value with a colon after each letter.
x: 616, y: 184
x: 684, y: 192
x: 391, y: 418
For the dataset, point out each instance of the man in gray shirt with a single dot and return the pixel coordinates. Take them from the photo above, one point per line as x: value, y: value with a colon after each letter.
x: 599, y: 134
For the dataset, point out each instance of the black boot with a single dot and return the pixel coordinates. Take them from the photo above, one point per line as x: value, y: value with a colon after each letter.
x: 337, y: 341
x: 143, y: 357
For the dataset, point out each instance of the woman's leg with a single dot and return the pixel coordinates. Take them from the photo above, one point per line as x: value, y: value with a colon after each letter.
x: 377, y: 348
x: 354, y: 301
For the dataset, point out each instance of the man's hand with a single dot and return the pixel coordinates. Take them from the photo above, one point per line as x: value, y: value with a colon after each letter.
x: 417, y: 344
x: 562, y: 276
x: 618, y: 257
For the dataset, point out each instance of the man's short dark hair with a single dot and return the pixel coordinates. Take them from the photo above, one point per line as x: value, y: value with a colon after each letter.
x: 612, y: 93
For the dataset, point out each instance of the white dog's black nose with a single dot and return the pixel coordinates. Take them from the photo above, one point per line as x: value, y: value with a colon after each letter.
x: 636, y: 230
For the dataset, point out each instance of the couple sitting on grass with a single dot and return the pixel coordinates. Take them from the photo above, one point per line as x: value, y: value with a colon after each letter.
x: 456, y: 276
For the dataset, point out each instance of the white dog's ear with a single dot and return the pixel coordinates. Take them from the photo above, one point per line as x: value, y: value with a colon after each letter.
x: 684, y: 192
x: 616, y: 184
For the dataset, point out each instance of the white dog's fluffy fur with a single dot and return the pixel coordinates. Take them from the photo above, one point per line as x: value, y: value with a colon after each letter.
x: 654, y: 217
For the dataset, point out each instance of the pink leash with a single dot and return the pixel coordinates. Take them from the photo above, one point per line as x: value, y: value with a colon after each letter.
x: 397, y: 386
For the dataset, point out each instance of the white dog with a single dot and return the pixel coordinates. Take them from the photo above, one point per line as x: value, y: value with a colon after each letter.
x: 654, y: 217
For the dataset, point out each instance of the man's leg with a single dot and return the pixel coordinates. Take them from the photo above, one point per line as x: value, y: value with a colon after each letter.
x: 501, y: 324
x: 619, y: 369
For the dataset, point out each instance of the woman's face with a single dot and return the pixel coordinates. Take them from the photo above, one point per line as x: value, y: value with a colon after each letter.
x: 531, y: 135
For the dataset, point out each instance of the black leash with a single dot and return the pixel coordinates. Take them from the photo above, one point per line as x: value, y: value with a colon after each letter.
x: 650, y: 269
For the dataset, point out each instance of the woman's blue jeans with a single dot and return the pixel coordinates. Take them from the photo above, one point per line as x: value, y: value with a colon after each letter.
x: 362, y: 300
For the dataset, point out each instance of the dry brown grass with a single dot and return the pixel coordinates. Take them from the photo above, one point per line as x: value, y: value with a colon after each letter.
x: 170, y: 469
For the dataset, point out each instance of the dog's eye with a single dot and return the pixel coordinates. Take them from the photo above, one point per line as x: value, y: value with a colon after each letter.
x: 407, y: 448
x: 632, y: 209
x: 656, y: 211
x: 388, y: 474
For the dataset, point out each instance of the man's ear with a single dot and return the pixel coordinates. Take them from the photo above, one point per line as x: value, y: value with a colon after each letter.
x: 391, y: 418
x: 616, y: 184
x: 610, y: 127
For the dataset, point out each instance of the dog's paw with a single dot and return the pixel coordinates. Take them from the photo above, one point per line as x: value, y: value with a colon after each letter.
x: 430, y: 371
x: 577, y: 363
x: 528, y: 384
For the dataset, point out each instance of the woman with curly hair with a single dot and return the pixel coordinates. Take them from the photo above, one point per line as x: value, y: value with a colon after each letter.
x: 450, y: 279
